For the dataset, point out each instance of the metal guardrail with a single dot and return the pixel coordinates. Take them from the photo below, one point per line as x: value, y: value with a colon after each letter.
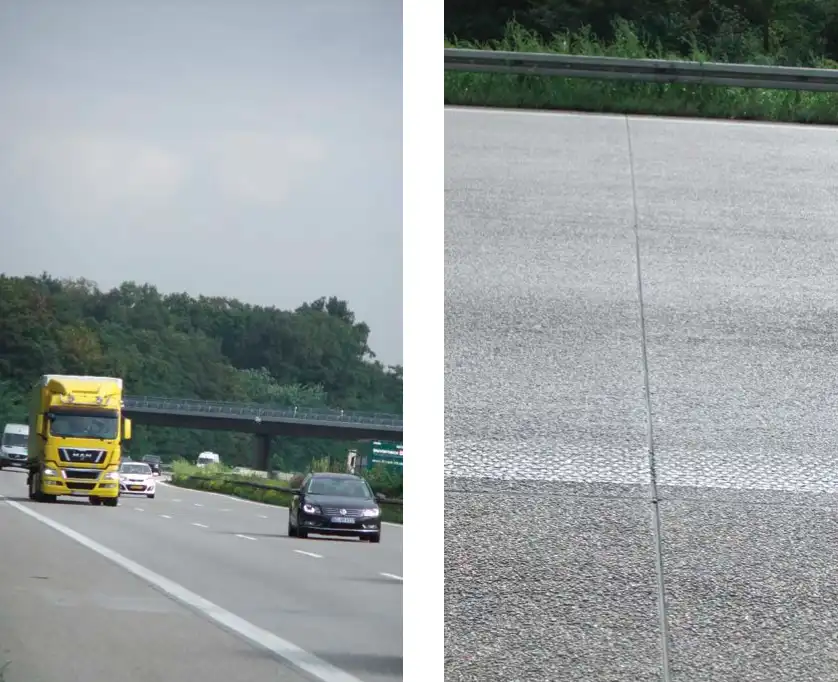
x: 267, y: 486
x: 642, y: 70
x: 252, y: 411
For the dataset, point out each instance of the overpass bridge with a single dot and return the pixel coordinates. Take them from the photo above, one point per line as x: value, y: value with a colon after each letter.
x: 263, y: 421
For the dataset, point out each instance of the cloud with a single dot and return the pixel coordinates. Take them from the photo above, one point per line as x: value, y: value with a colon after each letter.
x: 93, y: 174
x: 263, y: 168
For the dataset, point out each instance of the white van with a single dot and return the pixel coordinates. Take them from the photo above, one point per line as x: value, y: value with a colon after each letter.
x: 14, y: 445
x: 207, y: 457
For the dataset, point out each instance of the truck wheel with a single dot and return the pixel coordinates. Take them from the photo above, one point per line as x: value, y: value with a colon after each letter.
x: 35, y: 488
x: 110, y: 501
x: 95, y: 501
x: 30, y: 486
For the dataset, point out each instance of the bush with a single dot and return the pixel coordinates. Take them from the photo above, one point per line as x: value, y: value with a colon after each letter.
x: 274, y: 493
x: 540, y: 92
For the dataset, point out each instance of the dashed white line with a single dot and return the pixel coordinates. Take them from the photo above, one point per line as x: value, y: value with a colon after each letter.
x: 392, y: 575
x: 311, y: 554
x: 138, y: 509
x: 197, y: 504
x: 244, y: 537
x: 223, y: 510
x: 177, y: 499
x: 165, y: 516
x: 200, y: 525
x: 262, y: 516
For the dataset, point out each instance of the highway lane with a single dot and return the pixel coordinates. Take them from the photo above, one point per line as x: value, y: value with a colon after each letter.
x: 69, y: 615
x: 545, y: 412
x: 338, y: 600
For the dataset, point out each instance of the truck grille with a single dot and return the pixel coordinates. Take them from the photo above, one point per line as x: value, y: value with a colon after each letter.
x: 81, y: 455
x: 83, y: 473
x: 335, y: 511
x: 80, y: 485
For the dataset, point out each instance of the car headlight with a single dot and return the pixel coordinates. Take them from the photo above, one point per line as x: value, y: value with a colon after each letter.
x: 371, y: 512
x: 311, y: 509
x: 111, y: 476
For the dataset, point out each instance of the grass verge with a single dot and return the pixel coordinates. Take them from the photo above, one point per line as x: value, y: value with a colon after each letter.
x: 576, y: 94
x: 221, y: 480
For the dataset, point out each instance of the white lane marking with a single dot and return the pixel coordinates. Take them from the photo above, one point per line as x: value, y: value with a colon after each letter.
x: 245, y: 537
x: 317, y: 668
x: 262, y: 516
x: 261, y: 504
x: 312, y: 554
x: 197, y: 504
x: 177, y: 499
x: 165, y: 516
x: 139, y: 509
x: 200, y: 525
x: 223, y: 510
x: 392, y: 575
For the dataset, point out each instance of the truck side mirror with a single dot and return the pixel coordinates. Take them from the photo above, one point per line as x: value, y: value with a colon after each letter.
x: 126, y: 429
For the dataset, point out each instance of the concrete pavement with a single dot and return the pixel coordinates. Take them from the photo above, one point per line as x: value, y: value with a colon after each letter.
x: 338, y: 600
x: 546, y: 453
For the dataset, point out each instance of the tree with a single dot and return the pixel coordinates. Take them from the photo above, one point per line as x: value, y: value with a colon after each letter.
x: 180, y: 346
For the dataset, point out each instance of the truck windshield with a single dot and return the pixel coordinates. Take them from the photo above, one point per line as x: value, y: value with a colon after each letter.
x: 14, y: 440
x: 68, y: 425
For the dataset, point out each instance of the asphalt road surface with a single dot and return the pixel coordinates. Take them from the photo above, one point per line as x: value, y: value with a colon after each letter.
x: 546, y: 459
x: 335, y: 605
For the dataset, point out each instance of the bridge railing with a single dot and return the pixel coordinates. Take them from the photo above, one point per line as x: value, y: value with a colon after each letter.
x: 253, y: 411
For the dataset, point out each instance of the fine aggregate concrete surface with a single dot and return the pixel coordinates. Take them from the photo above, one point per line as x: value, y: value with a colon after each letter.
x: 546, y: 419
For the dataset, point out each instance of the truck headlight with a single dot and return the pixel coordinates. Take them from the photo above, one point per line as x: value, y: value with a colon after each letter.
x: 56, y: 473
x: 111, y: 476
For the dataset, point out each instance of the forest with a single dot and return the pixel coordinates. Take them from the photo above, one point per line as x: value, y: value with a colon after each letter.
x: 180, y: 346
x: 784, y: 32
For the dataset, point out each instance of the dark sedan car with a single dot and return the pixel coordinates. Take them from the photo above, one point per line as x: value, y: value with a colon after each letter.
x: 154, y: 462
x: 335, y: 504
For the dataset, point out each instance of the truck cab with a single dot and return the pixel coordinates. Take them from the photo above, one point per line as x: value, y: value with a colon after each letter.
x: 75, y: 443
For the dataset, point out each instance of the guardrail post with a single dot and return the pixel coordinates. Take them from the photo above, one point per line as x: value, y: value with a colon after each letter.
x: 263, y: 452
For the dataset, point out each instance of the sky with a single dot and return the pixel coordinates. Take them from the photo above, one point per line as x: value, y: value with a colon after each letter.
x: 247, y: 149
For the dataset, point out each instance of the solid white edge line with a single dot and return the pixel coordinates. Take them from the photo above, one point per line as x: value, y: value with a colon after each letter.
x: 311, y: 554
x: 244, y: 537
x: 261, y: 504
x: 393, y: 576
x: 286, y: 650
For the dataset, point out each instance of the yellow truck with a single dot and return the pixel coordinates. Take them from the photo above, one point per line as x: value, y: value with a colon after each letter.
x: 76, y: 429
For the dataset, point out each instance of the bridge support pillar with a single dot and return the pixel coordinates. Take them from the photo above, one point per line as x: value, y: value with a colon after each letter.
x: 263, y: 452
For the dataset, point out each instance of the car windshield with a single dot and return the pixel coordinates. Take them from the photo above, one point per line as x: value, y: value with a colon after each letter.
x: 69, y: 425
x: 339, y: 487
x: 14, y: 440
x: 135, y: 469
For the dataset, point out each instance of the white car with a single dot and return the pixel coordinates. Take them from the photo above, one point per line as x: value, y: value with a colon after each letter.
x: 136, y: 478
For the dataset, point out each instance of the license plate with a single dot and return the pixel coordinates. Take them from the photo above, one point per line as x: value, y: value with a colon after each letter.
x: 136, y: 487
x: 342, y: 519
